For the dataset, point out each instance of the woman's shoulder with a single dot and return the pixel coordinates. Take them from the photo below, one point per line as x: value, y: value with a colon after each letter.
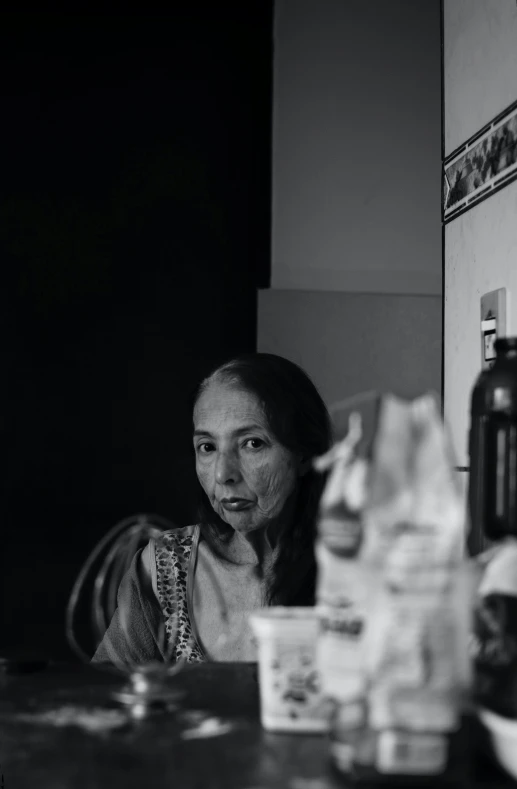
x: 177, y: 541
x: 180, y: 536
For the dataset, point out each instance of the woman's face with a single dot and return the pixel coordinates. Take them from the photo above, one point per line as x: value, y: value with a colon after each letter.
x: 246, y: 473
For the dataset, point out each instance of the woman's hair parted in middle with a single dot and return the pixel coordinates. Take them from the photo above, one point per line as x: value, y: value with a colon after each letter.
x: 298, y: 418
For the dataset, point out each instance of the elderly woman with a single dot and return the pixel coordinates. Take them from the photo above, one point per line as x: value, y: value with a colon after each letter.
x: 258, y: 421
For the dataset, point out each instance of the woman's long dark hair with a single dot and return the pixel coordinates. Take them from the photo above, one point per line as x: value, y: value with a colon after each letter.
x: 298, y: 418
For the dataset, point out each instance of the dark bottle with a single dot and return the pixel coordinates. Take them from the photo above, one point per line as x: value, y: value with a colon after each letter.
x: 493, y: 450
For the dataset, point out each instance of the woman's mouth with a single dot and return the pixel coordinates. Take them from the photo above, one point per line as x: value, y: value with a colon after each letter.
x: 235, y: 504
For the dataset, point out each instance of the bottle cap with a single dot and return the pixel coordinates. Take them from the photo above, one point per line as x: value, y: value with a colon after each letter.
x: 505, y: 345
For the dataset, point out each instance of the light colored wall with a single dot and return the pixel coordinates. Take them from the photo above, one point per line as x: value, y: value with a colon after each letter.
x: 350, y: 343
x: 356, y: 146
x: 480, y: 81
x: 480, y: 64
x: 356, y: 233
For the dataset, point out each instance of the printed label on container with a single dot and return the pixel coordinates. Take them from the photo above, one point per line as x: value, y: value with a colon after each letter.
x: 339, y: 650
x: 405, y: 753
x: 421, y: 709
x: 289, y: 680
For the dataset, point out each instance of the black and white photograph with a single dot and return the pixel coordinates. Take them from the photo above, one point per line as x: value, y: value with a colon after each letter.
x: 258, y: 510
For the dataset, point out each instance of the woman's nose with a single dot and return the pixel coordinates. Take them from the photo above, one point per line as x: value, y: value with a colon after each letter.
x: 226, y: 469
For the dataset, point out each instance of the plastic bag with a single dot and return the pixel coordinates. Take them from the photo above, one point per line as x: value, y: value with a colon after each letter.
x: 393, y: 591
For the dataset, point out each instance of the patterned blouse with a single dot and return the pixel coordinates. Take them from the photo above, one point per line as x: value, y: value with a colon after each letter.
x: 135, y: 638
x: 173, y: 558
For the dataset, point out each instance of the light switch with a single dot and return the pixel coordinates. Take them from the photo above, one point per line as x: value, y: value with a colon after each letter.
x: 493, y: 323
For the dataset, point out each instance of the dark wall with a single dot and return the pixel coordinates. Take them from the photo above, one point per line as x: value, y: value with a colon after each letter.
x: 134, y: 230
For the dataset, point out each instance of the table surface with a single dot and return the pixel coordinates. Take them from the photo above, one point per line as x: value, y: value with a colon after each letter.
x: 212, y: 740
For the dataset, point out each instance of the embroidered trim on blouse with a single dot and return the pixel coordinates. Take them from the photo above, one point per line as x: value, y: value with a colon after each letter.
x: 172, y: 551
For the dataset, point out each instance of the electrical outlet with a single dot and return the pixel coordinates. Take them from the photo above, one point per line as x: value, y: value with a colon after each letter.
x: 493, y: 323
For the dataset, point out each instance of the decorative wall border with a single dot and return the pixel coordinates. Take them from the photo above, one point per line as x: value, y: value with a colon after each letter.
x: 482, y: 166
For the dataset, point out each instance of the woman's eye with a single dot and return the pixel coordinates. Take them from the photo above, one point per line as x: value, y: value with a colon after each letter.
x: 254, y: 443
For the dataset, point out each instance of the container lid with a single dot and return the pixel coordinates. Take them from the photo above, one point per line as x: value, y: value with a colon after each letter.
x: 286, y: 613
x: 285, y: 621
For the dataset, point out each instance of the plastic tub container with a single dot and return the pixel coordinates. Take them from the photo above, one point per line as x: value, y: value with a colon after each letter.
x: 290, y: 689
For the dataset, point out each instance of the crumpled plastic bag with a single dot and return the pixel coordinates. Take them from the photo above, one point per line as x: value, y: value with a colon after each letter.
x: 392, y: 509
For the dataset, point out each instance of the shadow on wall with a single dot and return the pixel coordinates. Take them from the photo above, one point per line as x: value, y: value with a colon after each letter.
x: 351, y: 343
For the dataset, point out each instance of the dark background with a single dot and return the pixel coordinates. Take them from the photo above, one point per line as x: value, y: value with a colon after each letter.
x: 134, y: 232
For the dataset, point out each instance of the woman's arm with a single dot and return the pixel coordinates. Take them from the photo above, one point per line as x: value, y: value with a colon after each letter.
x: 131, y: 638
x: 148, y: 570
